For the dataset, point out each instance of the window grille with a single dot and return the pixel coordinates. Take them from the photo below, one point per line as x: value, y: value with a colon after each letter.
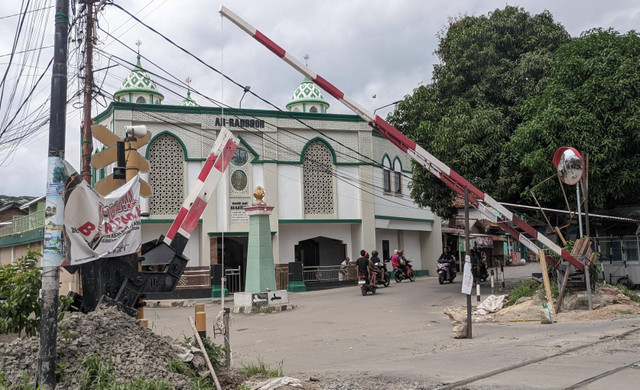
x: 166, y: 159
x: 318, y: 179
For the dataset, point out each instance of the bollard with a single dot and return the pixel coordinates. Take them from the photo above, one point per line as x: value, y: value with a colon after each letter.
x: 201, y: 324
x: 492, y: 284
x: 199, y: 307
x: 478, y: 291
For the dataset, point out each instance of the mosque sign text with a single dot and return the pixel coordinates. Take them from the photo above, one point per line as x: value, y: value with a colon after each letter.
x: 241, y: 123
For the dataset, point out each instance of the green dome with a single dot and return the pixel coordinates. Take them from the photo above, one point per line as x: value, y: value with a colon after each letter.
x: 189, y: 102
x: 140, y: 84
x: 307, y: 98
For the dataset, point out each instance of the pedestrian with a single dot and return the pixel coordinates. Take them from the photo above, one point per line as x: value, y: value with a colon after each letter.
x: 344, y: 269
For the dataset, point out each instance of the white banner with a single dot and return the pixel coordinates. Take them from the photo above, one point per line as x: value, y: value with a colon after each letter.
x: 97, y: 226
x: 467, y: 276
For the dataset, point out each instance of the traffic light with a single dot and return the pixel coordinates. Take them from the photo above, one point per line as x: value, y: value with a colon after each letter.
x: 124, y: 153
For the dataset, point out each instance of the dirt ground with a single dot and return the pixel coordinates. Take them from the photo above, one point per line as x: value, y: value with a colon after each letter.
x: 608, y: 303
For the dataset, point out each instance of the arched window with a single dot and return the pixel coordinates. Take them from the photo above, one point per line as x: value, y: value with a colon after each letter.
x: 386, y: 175
x: 317, y: 167
x: 166, y: 159
x: 397, y: 175
x: 313, y: 109
x: 141, y: 100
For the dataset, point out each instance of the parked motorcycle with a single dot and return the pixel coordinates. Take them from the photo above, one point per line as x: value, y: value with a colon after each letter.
x: 442, y: 272
x: 400, y: 276
x: 382, y: 274
x: 365, y: 286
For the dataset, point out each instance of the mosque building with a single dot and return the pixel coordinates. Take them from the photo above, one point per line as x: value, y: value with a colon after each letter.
x: 337, y: 186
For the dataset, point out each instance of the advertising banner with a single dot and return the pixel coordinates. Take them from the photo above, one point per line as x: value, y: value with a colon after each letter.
x: 53, y: 245
x: 97, y: 226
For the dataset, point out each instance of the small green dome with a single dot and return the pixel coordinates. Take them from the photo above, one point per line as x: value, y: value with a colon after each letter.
x: 189, y: 102
x: 307, y: 98
x: 138, y: 88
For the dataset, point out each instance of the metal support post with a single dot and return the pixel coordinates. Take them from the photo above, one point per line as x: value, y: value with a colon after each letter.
x: 227, y: 346
x: 466, y: 247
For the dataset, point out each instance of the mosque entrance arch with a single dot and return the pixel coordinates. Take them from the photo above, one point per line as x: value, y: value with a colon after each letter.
x: 319, y: 251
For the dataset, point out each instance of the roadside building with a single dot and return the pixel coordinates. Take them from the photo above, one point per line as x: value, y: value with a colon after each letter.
x: 337, y: 186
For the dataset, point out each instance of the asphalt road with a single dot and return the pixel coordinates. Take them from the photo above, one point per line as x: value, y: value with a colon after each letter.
x: 402, y: 330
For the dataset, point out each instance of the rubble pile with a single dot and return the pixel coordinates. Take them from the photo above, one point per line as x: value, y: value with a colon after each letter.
x: 133, y: 351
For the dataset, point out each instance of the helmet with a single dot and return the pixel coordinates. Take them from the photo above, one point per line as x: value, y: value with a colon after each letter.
x: 374, y: 253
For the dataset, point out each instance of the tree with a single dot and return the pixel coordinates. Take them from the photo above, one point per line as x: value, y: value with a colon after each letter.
x: 20, y: 284
x: 592, y: 104
x: 490, y: 65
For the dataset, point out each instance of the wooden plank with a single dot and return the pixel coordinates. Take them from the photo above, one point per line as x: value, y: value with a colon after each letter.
x: 547, y: 284
x: 204, y: 352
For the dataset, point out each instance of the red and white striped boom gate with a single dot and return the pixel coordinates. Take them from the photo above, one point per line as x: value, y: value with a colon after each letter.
x: 196, y: 201
x: 477, y: 198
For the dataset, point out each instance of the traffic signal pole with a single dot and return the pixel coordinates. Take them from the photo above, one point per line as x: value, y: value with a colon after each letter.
x: 53, y: 256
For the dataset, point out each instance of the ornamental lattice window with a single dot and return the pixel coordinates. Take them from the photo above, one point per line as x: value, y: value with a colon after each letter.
x: 317, y: 170
x: 166, y: 159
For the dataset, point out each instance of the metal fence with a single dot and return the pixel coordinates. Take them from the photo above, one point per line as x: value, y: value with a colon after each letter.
x: 233, y: 278
x: 626, y: 248
x: 327, y: 273
x: 23, y: 224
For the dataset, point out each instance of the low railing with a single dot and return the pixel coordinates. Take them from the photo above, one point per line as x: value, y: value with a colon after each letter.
x: 23, y: 224
x: 327, y: 273
x: 233, y: 279
x: 194, y: 277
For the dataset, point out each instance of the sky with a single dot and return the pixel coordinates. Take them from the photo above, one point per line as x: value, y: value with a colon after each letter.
x: 375, y: 51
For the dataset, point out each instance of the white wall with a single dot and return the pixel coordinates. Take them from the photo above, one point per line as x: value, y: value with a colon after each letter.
x: 348, y: 192
x: 289, y: 192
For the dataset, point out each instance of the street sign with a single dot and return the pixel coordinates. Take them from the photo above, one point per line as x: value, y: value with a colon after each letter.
x: 130, y: 159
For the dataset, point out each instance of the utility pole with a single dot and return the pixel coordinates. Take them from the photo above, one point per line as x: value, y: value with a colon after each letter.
x: 87, y: 139
x: 54, y: 252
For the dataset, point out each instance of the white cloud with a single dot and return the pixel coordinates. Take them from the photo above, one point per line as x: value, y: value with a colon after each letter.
x: 363, y: 47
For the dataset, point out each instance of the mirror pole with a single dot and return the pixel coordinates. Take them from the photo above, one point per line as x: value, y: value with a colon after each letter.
x: 579, y: 211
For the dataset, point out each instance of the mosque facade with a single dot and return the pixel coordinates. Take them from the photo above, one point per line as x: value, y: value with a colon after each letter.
x: 337, y: 186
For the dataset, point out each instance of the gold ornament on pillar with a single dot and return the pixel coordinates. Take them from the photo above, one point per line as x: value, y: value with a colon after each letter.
x: 258, y: 193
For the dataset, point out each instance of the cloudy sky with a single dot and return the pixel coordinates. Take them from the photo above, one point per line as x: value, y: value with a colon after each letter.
x: 364, y: 47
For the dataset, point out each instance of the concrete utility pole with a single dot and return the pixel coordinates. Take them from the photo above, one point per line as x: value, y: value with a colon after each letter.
x: 87, y: 138
x: 52, y: 258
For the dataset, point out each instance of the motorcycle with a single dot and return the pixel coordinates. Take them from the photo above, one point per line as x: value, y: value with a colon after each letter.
x: 480, y: 273
x: 400, y: 276
x: 442, y: 272
x: 382, y: 277
x: 365, y: 286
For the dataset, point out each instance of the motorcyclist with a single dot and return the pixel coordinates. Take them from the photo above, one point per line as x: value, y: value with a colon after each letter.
x: 402, y: 264
x: 447, y: 258
x: 374, y: 261
x: 362, y: 265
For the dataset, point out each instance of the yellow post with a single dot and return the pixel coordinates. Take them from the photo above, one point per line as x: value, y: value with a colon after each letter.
x: 201, y: 323
x: 199, y: 307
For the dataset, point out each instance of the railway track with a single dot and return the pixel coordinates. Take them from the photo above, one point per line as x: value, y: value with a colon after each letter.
x: 471, y: 382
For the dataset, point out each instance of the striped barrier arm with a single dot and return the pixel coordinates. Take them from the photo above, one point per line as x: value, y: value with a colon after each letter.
x: 450, y: 177
x: 196, y: 201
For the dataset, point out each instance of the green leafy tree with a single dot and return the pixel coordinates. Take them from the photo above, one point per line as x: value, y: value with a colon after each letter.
x: 20, y: 284
x: 592, y: 104
x: 489, y: 66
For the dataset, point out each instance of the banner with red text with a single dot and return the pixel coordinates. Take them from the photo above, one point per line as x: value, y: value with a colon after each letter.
x: 97, y: 226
